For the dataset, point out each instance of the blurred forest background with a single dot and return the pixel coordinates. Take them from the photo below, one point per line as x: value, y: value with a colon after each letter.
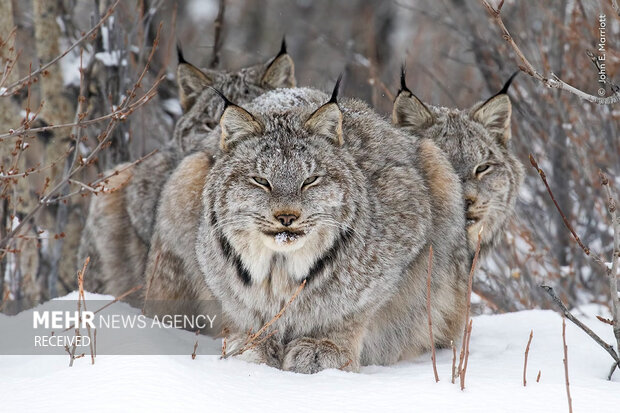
x: 455, y: 56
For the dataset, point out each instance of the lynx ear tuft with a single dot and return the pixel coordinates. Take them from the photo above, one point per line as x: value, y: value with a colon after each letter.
x: 494, y: 115
x: 409, y: 111
x: 403, y: 80
x: 327, y: 120
x: 191, y: 81
x: 236, y: 123
x: 281, y: 71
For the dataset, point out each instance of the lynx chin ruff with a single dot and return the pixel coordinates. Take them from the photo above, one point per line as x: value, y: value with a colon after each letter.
x: 477, y: 142
x: 332, y: 194
x: 118, y: 230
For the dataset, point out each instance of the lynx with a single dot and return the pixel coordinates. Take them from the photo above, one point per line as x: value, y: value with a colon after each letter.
x: 119, y: 226
x: 329, y: 193
x: 477, y: 142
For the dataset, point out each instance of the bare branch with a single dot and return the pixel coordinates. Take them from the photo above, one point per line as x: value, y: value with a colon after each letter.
x: 527, y: 351
x: 579, y: 324
x: 219, y: 26
x: 253, y: 337
x: 467, y: 311
x: 428, y: 311
x: 585, y: 249
x: 9, y: 89
x: 570, y: 402
x: 551, y: 81
x: 612, y: 270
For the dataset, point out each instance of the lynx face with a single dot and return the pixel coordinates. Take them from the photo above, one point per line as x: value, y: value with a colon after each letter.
x: 477, y: 142
x: 202, y: 107
x: 283, y: 183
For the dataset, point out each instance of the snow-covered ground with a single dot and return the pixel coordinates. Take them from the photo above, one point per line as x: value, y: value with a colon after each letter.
x: 178, y: 383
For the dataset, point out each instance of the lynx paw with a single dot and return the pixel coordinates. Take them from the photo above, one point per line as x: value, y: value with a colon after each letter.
x: 268, y: 352
x: 308, y: 355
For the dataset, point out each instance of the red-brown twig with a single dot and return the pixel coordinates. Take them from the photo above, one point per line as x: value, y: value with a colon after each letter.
x: 345, y: 365
x: 428, y: 311
x: 252, y: 337
x: 219, y: 26
x: 570, y: 403
x: 195, y: 346
x: 83, y: 299
x: 464, y: 371
x: 543, y: 176
x: 611, y: 272
x: 468, y: 309
x: 150, y: 281
x: 538, y: 376
x: 28, y: 79
x: 120, y: 297
x: 126, y: 107
x: 453, y: 361
x: 527, y: 351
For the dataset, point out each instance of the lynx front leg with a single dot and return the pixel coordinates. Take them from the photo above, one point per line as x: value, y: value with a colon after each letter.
x: 266, y: 351
x: 338, y: 350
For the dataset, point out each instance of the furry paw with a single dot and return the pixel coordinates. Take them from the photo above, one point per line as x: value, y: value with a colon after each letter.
x: 308, y: 355
x: 268, y: 352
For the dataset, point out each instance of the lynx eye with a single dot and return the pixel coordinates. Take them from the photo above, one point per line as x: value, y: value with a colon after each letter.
x: 310, y: 181
x: 482, y: 168
x: 261, y: 181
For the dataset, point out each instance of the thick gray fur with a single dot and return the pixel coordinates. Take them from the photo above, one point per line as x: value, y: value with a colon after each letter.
x: 382, y: 199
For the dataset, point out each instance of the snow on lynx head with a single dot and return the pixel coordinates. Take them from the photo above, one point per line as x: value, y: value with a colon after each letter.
x: 202, y: 107
x: 477, y: 142
x: 284, y: 182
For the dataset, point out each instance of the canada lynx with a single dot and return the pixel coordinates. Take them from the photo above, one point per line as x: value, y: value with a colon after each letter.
x: 477, y: 142
x: 329, y: 193
x: 119, y: 225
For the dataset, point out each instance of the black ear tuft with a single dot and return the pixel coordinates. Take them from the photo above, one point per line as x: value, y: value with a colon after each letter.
x: 227, y: 102
x: 504, y: 90
x: 282, y: 47
x: 334, y: 98
x: 180, y: 57
x: 507, y: 84
x: 403, y: 81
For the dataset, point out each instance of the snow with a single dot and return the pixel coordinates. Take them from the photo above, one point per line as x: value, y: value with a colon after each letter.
x: 173, y: 106
x: 201, y: 10
x: 109, y: 58
x: 176, y: 383
x: 282, y: 238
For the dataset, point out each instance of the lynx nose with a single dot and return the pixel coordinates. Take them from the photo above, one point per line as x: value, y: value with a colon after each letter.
x: 286, y: 219
x: 469, y: 201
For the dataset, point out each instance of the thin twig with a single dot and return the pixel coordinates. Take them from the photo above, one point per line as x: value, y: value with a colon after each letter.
x: 428, y: 311
x: 120, y: 297
x: 585, y: 249
x: 551, y: 81
x: 570, y: 402
x: 527, y: 351
x: 464, y: 372
x: 150, y: 281
x: 612, y: 271
x: 88, y: 34
x: 195, y: 346
x: 467, y: 311
x: 252, y: 337
x: 567, y: 314
x: 453, y: 361
x: 219, y: 27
